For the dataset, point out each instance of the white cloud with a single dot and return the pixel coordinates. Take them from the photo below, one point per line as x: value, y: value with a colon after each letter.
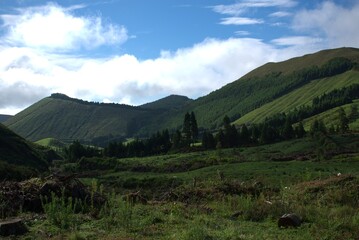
x: 240, y: 21
x: 53, y: 28
x: 336, y: 24
x: 296, y: 41
x: 280, y: 14
x: 193, y: 71
x: 242, y: 6
x: 242, y: 33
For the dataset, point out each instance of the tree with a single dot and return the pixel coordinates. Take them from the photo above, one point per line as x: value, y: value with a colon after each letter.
x: 288, y: 131
x: 220, y: 139
x: 353, y: 115
x: 208, y: 141
x: 245, y: 135
x: 299, y: 130
x: 177, y: 140
x: 343, y: 121
x: 318, y: 126
x: 186, y: 130
x: 193, y: 127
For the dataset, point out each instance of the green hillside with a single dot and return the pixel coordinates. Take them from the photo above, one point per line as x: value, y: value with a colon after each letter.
x: 170, y: 102
x: 51, y: 142
x: 65, y: 118
x: 300, y: 97
x: 18, y: 157
x: 331, y: 117
x: 269, y: 83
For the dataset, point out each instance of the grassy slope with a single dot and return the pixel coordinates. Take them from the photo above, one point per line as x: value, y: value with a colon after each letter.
x: 66, y: 119
x: 239, y: 97
x: 170, y: 102
x: 51, y: 142
x: 297, y: 63
x: 17, y: 151
x: 300, y: 97
x: 331, y: 117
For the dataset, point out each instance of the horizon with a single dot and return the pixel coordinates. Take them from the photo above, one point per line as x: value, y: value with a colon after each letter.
x: 136, y: 52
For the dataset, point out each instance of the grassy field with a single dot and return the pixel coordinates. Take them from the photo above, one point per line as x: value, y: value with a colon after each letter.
x: 221, y: 194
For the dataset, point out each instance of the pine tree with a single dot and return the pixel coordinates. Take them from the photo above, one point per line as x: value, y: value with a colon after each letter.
x: 177, y: 140
x: 299, y: 130
x: 353, y: 115
x: 194, y: 127
x: 244, y: 136
x: 288, y: 131
x: 186, y: 130
x: 208, y: 141
x: 343, y: 121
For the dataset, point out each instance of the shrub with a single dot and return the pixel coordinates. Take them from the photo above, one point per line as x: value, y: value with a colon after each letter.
x: 60, y: 211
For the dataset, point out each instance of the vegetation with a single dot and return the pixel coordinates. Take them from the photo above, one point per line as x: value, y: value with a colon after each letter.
x: 231, y: 194
x: 20, y: 158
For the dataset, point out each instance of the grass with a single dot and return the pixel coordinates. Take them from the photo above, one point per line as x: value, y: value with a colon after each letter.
x: 331, y: 117
x: 52, y: 143
x: 222, y: 194
x: 300, y: 97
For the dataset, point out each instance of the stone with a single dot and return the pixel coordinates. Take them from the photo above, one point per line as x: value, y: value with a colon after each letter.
x: 289, y: 220
x: 13, y: 226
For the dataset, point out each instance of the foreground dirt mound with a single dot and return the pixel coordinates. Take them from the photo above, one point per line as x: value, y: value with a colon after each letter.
x: 28, y: 195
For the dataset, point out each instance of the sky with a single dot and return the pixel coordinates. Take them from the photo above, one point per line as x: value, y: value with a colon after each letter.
x: 138, y: 51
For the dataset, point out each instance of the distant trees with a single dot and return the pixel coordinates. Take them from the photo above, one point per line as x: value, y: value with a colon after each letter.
x: 76, y: 150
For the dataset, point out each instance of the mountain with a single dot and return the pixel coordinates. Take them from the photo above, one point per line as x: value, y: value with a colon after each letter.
x: 283, y: 86
x: 67, y: 119
x: 4, y: 117
x: 270, y: 89
x: 18, y: 157
x: 172, y: 102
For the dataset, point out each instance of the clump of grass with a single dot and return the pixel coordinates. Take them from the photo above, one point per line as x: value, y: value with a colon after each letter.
x: 116, y: 213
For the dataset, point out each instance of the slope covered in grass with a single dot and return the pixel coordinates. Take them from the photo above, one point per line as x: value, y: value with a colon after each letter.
x: 269, y: 83
x: 300, y: 97
x: 73, y: 119
x: 51, y: 142
x: 18, y: 157
x: 170, y: 102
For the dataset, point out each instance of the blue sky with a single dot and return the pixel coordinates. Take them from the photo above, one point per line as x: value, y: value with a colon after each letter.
x: 136, y: 51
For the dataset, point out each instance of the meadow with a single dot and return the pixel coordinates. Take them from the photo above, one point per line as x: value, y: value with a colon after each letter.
x: 237, y: 193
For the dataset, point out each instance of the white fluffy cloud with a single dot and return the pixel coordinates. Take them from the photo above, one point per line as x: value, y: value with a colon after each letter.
x: 54, y: 28
x: 336, y: 24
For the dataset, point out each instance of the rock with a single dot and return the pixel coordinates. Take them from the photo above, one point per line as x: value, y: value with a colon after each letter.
x: 289, y: 220
x: 236, y: 215
x: 12, y: 227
